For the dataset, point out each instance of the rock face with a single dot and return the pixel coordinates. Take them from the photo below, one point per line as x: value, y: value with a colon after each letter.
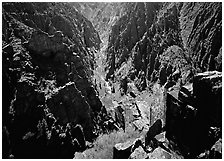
x: 190, y: 119
x: 166, y: 42
x: 48, y: 58
x: 68, y: 105
x: 208, y: 96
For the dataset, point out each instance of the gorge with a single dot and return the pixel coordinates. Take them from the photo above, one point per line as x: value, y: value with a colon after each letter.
x: 103, y: 80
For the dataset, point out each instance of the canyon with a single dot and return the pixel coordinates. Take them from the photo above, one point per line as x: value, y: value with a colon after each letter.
x: 103, y: 80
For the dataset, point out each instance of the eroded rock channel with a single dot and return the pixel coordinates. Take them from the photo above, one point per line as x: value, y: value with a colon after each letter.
x: 112, y: 80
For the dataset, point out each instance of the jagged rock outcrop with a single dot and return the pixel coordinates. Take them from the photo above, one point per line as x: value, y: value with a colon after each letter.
x: 193, y: 121
x: 102, y: 15
x: 48, y: 58
x: 165, y: 43
x: 68, y: 105
x: 138, y: 153
x: 207, y: 89
x: 155, y: 146
x: 154, y: 130
x: 127, y: 32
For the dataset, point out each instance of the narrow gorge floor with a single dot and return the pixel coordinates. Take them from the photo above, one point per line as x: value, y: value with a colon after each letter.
x: 136, y: 107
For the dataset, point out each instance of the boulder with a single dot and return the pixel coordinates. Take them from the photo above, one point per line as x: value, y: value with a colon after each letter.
x: 162, y: 75
x: 132, y: 94
x: 140, y: 124
x: 159, y: 153
x: 216, y: 150
x: 154, y: 130
x: 189, y: 116
x: 142, y: 107
x: 122, y: 150
x: 138, y: 153
x: 79, y: 155
x: 161, y: 137
x: 180, y: 121
x: 138, y: 142
x: 119, y: 116
x: 207, y: 89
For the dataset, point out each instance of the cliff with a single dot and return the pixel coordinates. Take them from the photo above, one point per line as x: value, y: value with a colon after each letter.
x: 48, y: 61
x: 155, y: 40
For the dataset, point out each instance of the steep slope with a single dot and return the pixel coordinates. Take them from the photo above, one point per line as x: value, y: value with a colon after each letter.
x: 48, y: 62
x: 159, y: 39
x: 102, y: 15
x: 169, y: 45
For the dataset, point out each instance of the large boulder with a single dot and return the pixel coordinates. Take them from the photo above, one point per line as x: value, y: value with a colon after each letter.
x: 161, y: 137
x: 159, y: 153
x: 180, y: 122
x: 189, y: 116
x: 119, y: 116
x: 124, y: 150
x: 138, y: 153
x: 207, y: 89
x: 154, y: 130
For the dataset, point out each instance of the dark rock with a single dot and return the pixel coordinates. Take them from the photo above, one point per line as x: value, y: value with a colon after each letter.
x: 5, y: 143
x: 186, y: 94
x: 162, y: 75
x: 119, y: 116
x: 132, y: 94
x: 77, y: 133
x: 76, y: 145
x: 187, y: 112
x: 45, y: 45
x: 207, y: 89
x: 154, y: 130
x: 216, y: 150
x: 138, y: 142
x: 46, y: 79
x: 180, y: 121
x: 122, y: 150
x: 68, y: 105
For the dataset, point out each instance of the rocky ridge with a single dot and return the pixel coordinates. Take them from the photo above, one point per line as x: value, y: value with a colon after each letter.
x: 161, y: 41
x: 48, y: 62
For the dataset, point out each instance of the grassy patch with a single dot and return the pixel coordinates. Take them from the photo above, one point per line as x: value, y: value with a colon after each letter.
x: 103, y: 146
